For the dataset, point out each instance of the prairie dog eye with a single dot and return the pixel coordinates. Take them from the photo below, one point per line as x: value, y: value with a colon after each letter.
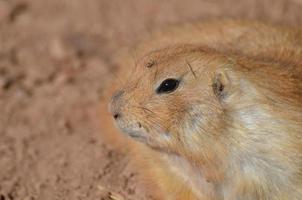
x: 168, y: 86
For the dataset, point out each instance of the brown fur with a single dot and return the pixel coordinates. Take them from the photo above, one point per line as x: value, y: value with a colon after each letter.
x: 233, y: 128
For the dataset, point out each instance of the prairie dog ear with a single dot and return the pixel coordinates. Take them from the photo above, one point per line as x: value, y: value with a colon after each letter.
x: 224, y: 84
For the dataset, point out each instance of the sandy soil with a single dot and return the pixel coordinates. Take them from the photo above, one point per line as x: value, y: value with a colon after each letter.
x: 55, y: 61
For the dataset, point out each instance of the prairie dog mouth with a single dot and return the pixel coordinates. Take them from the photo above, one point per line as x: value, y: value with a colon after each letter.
x: 135, y: 130
x: 138, y: 137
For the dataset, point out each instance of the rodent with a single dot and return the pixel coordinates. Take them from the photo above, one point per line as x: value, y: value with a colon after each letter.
x: 216, y: 108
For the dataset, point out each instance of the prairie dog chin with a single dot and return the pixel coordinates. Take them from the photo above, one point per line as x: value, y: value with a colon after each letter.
x: 216, y: 108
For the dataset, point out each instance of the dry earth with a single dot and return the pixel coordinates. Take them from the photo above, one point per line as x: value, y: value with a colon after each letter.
x: 55, y: 61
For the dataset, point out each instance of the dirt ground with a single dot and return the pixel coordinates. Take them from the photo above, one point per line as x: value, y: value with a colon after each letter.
x: 55, y: 61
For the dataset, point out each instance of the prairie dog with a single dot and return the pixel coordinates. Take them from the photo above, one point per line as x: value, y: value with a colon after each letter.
x: 217, y: 110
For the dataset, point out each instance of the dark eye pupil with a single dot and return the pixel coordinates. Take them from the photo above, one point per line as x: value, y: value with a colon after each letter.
x: 168, y: 85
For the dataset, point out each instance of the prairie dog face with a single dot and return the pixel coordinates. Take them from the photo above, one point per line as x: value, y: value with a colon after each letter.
x: 169, y: 101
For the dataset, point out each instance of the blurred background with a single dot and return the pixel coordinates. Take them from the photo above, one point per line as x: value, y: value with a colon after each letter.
x: 55, y: 61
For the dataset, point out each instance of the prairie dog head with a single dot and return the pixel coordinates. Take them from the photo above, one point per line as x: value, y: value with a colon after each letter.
x: 174, y: 98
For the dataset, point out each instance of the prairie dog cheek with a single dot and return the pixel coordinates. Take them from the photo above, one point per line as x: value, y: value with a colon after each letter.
x: 199, y: 125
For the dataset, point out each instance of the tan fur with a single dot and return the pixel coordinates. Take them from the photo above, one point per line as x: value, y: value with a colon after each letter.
x: 195, y: 143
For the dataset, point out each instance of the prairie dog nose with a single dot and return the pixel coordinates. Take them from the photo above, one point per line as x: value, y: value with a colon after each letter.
x: 115, y: 105
x: 116, y: 115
